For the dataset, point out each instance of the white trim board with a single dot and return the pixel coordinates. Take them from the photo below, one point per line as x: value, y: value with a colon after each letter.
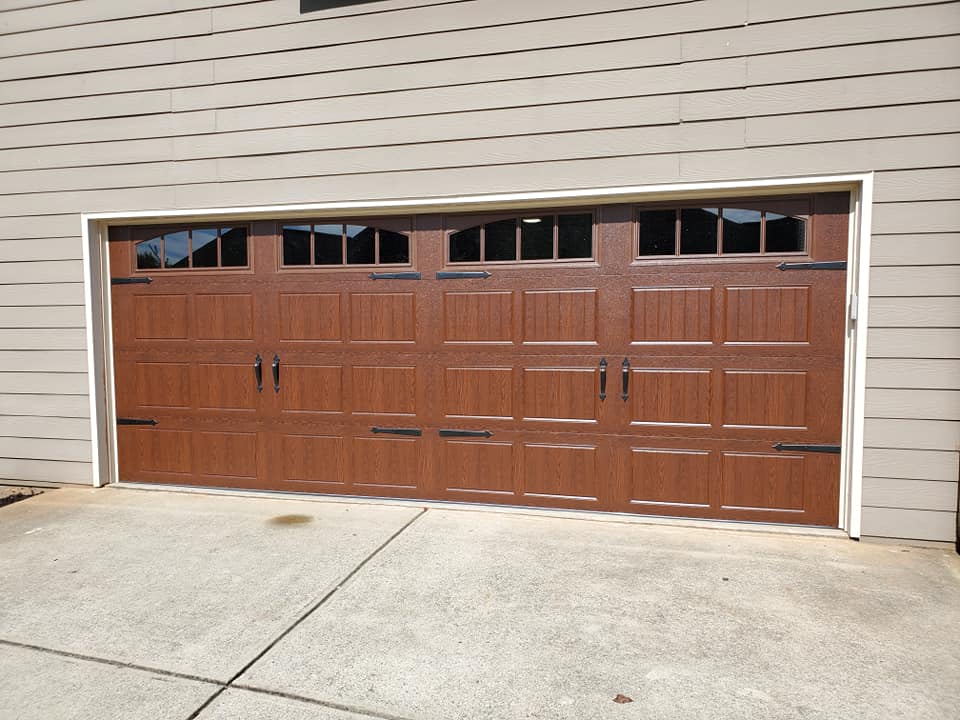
x: 860, y: 185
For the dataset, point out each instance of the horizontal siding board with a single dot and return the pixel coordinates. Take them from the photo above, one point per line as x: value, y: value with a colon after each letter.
x: 912, y: 403
x: 930, y: 281
x: 909, y: 524
x: 773, y: 10
x: 45, y: 427
x: 41, y: 295
x: 42, y: 317
x: 912, y: 434
x: 930, y: 343
x: 41, y: 249
x: 913, y: 217
x: 150, y: 150
x: 911, y: 373
x: 863, y: 91
x: 20, y: 227
x: 41, y: 271
x: 894, y: 121
x: 43, y: 361
x: 915, y: 312
x: 43, y: 338
x: 46, y: 470
x: 76, y: 406
x: 915, y: 249
x: 920, y: 185
x: 911, y: 464
x: 83, y: 108
x: 910, y: 494
x: 849, y: 29
x: 42, y: 449
x: 108, y: 176
x: 90, y: 200
x: 838, y: 157
x: 43, y: 383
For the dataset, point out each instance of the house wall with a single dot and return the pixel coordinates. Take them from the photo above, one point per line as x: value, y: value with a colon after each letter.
x: 108, y: 105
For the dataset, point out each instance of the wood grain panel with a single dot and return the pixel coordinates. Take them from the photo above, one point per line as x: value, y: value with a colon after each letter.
x: 767, y: 315
x: 387, y: 462
x: 670, y: 477
x: 310, y: 316
x: 383, y: 317
x: 226, y: 387
x: 478, y: 317
x: 672, y: 315
x: 478, y: 392
x: 478, y: 466
x: 164, y: 451
x: 569, y: 471
x: 312, y: 388
x: 384, y: 390
x: 160, y: 317
x: 223, y: 317
x: 560, y: 317
x: 753, y: 398
x: 314, y: 459
x: 226, y: 454
x: 162, y: 385
x: 567, y: 394
x: 762, y: 482
x: 671, y: 397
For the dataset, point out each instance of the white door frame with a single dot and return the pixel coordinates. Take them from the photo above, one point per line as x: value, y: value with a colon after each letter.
x: 860, y: 185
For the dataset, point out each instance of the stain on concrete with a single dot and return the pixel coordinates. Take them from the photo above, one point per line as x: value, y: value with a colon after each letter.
x: 291, y: 520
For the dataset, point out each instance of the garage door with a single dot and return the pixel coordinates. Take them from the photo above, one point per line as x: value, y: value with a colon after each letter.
x: 676, y: 359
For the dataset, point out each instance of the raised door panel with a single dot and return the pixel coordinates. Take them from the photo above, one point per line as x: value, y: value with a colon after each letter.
x: 562, y: 471
x: 672, y: 316
x: 383, y: 318
x: 483, y: 317
x: 161, y: 385
x: 315, y: 459
x: 767, y: 315
x: 161, y: 317
x: 144, y: 452
x: 224, y: 456
x: 477, y: 467
x: 311, y: 389
x: 668, y: 477
x: 765, y: 399
x: 229, y: 388
x: 384, y: 390
x: 763, y: 482
x: 478, y: 392
x: 560, y: 317
x: 671, y: 397
x: 310, y: 317
x: 560, y: 394
x: 387, y: 462
x: 227, y: 317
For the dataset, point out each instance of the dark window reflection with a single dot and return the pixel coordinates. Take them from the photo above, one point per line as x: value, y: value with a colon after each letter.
x: 176, y: 250
x: 501, y: 240
x: 536, y: 238
x: 148, y: 254
x: 233, y: 247
x: 205, y: 247
x: 361, y: 245
x: 785, y: 234
x: 328, y: 244
x: 296, y: 244
x: 394, y: 248
x: 658, y: 232
x: 741, y: 231
x: 465, y: 245
x: 698, y: 231
x: 575, y: 236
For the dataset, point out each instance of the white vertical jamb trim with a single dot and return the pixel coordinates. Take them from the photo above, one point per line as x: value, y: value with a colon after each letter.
x: 862, y: 289
x: 89, y: 235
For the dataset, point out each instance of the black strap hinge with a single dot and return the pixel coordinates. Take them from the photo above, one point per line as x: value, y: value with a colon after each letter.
x: 395, y: 276
x: 136, y: 421
x: 131, y: 281
x: 830, y: 265
x: 464, y: 275
x: 415, y: 432
x: 782, y: 447
x: 465, y: 433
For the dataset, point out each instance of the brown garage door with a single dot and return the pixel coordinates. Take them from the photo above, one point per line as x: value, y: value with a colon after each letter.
x: 643, y: 359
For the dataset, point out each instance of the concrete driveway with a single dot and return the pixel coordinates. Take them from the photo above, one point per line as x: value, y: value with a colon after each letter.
x: 121, y: 603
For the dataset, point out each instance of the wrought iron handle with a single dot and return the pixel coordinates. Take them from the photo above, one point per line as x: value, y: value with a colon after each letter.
x: 258, y: 372
x: 626, y: 379
x: 276, y: 372
x: 603, y: 379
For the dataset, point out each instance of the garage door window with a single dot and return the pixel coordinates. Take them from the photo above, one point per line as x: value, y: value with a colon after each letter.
x: 719, y: 231
x: 529, y: 238
x: 194, y: 248
x: 343, y: 244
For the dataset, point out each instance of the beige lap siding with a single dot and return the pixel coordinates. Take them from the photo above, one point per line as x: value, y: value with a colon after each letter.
x: 222, y: 103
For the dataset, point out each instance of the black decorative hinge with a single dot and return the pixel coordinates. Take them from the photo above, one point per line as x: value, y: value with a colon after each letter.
x: 415, y: 432
x: 832, y: 449
x: 465, y: 433
x: 131, y: 281
x: 136, y: 421
x: 395, y: 276
x: 480, y: 274
x: 830, y: 265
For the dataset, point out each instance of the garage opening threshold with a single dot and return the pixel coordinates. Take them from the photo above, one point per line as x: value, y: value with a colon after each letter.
x: 582, y: 515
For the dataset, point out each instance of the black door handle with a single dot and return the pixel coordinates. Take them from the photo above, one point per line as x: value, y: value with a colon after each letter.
x: 626, y: 379
x: 276, y: 372
x: 258, y: 372
x: 603, y: 379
